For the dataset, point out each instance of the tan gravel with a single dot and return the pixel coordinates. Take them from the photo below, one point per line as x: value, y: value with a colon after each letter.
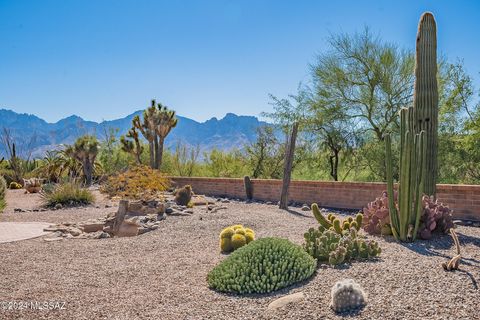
x: 161, y: 274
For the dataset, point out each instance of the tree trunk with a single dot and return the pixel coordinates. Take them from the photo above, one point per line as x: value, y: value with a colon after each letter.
x: 161, y: 141
x: 138, y: 151
x: 287, y: 173
x: 155, y: 146
x: 334, y: 165
x: 152, y: 154
x: 87, y: 171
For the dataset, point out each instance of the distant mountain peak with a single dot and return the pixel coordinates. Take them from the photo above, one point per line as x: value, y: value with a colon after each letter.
x: 230, y: 132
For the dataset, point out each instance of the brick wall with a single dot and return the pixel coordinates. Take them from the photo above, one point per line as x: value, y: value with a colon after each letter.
x: 463, y: 199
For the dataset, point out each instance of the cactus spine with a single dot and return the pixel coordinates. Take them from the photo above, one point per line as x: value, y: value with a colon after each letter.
x: 425, y: 99
x: 405, y: 214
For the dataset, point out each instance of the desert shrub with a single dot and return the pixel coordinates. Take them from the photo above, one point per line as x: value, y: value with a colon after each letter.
x: 234, y: 237
x: 263, y: 266
x: 3, y: 191
x: 139, y: 182
x: 184, y: 195
x: 15, y: 185
x: 67, y: 194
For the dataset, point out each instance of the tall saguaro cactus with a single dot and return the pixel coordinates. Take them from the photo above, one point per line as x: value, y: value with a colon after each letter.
x: 425, y: 100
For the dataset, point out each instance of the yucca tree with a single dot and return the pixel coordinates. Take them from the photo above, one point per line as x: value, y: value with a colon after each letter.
x: 51, y: 166
x: 166, y: 121
x: 146, y: 126
x: 85, y: 151
x: 134, y: 147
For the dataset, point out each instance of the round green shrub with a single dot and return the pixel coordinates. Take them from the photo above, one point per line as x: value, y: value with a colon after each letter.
x: 265, y: 265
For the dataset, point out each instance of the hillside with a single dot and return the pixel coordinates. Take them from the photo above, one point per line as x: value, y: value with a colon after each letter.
x: 232, y: 131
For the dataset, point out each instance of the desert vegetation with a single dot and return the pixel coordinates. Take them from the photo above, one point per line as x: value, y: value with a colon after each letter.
x: 370, y: 111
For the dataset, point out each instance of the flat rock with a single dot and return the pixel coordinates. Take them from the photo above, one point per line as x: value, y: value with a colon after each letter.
x: 93, y: 226
x: 15, y: 231
x: 305, y: 208
x: 283, y: 301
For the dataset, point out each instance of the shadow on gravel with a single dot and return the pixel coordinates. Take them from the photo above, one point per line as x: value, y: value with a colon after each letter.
x: 472, y: 278
x: 441, y: 242
x: 299, y: 214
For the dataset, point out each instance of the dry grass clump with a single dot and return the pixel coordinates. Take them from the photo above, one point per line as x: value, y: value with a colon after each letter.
x: 139, y: 182
x: 67, y: 194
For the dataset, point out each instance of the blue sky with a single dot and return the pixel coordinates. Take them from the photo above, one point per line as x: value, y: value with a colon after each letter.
x: 105, y: 59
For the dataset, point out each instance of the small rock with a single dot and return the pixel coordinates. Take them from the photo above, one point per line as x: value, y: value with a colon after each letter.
x: 58, y: 206
x: 108, y: 206
x: 18, y: 210
x: 74, y: 231
x: 56, y: 234
x: 153, y: 227
x: 269, y: 203
x: 458, y: 222
x: 225, y: 201
x: 168, y: 210
x: 93, y: 226
x: 305, y: 208
x: 283, y: 301
x: 476, y: 224
x: 53, y: 239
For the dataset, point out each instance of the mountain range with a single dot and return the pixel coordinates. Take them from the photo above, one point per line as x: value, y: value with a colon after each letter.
x: 35, y: 134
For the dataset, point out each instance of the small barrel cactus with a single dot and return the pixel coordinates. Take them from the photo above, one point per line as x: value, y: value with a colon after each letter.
x: 234, y: 237
x: 15, y: 185
x: 347, y: 295
x: 183, y: 195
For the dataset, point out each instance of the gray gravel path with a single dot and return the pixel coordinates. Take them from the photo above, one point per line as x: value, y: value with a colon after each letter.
x: 161, y: 274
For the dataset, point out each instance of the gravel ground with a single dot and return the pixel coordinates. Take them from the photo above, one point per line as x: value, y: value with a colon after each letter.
x: 161, y: 274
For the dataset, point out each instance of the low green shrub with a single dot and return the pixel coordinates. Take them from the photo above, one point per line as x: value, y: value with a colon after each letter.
x: 265, y: 265
x: 67, y: 194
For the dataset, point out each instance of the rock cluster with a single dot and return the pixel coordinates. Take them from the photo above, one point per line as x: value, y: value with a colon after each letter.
x: 131, y: 219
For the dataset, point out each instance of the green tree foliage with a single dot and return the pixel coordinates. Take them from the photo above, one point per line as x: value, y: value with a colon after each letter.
x: 85, y: 151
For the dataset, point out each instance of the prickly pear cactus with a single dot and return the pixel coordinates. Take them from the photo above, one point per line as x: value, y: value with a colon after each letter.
x: 347, y: 295
x: 376, y: 218
x: 436, y: 217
